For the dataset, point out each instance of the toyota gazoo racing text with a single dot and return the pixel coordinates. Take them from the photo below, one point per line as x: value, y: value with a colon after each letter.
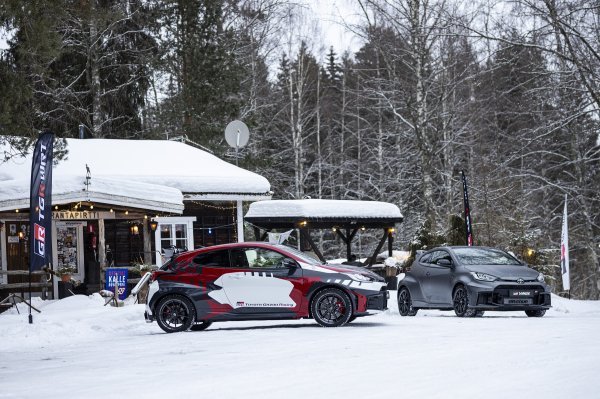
x: 258, y: 281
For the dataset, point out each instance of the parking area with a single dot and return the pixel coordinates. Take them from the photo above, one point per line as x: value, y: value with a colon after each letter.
x: 79, y: 348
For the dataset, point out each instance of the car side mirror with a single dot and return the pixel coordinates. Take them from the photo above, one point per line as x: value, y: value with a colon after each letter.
x: 290, y: 264
x: 444, y: 262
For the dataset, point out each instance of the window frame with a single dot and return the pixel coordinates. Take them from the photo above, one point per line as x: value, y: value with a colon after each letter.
x: 188, y: 221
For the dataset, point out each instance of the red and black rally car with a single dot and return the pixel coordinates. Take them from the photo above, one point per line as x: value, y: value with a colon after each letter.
x: 258, y: 281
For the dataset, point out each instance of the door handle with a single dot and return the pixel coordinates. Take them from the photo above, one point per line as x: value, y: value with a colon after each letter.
x: 427, y: 274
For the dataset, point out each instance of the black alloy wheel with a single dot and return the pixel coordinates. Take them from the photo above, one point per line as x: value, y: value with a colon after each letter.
x: 331, y: 307
x: 460, y: 301
x: 201, y: 326
x: 535, y: 313
x: 405, y: 303
x: 175, y: 313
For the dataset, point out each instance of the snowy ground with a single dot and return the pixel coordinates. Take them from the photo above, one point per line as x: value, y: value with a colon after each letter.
x: 77, y: 348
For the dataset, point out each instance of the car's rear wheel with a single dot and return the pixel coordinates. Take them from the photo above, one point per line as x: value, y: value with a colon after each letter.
x: 460, y: 301
x: 405, y: 303
x: 535, y: 313
x: 331, y: 307
x: 201, y: 326
x: 175, y: 313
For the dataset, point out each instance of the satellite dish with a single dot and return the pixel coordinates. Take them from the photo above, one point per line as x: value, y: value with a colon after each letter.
x: 237, y: 134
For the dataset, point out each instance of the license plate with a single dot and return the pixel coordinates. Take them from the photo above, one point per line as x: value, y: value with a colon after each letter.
x: 508, y: 301
x: 521, y: 293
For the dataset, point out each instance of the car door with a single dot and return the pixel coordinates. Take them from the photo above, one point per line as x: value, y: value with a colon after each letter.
x: 437, y: 280
x: 205, y: 269
x: 262, y: 281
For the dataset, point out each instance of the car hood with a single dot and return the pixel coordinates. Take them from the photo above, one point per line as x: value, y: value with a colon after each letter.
x: 347, y: 269
x: 505, y: 272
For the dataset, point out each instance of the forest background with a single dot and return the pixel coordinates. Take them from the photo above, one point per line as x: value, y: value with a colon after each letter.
x: 508, y: 91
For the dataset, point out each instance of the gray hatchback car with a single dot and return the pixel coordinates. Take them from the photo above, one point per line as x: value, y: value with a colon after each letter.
x: 471, y: 280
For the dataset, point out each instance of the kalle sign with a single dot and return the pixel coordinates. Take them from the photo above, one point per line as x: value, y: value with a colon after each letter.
x: 40, y: 208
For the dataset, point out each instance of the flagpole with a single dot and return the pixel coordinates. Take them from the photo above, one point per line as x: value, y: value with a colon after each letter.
x: 468, y: 223
x: 564, y: 252
x: 40, y: 207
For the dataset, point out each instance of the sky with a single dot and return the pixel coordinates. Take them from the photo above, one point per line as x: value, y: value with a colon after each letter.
x: 332, y: 16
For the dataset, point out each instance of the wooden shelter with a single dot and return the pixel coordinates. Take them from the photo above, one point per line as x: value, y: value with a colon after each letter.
x: 345, y: 217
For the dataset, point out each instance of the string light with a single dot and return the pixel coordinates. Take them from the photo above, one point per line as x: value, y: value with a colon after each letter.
x: 127, y: 212
x: 56, y: 207
x: 111, y: 210
x: 16, y: 211
x: 91, y: 206
x: 222, y: 208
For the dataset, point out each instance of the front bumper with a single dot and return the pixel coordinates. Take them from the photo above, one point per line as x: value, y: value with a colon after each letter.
x: 501, y: 296
x: 378, y: 301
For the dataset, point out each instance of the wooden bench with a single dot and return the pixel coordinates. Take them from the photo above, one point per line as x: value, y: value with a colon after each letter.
x: 23, y: 287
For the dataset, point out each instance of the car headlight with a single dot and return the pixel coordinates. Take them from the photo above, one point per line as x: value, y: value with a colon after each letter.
x: 540, y: 278
x: 483, y: 277
x: 360, y: 277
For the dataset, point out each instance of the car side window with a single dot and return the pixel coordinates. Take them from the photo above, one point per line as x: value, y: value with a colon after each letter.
x: 238, y: 258
x: 261, y: 258
x: 425, y: 258
x: 213, y: 259
x: 437, y: 255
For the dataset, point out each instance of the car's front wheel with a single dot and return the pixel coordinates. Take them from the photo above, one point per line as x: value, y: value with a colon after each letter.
x: 175, y: 313
x: 405, y: 303
x: 460, y: 301
x: 535, y: 313
x: 331, y: 307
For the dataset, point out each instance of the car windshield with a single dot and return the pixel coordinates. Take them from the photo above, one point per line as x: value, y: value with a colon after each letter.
x: 301, y: 255
x: 485, y: 256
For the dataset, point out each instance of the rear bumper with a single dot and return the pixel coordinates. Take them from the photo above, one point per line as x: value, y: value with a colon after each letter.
x: 378, y: 301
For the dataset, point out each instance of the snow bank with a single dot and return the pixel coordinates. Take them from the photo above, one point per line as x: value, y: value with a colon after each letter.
x: 321, y: 208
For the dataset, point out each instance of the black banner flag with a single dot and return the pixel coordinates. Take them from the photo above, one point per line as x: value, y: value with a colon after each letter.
x: 40, y: 208
x: 469, y: 226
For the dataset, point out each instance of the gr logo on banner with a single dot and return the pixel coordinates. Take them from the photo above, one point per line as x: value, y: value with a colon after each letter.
x: 39, y: 235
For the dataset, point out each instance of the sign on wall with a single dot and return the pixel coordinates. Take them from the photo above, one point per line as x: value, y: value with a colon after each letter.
x: 117, y: 277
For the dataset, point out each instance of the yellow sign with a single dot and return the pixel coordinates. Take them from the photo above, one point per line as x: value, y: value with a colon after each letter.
x: 74, y: 215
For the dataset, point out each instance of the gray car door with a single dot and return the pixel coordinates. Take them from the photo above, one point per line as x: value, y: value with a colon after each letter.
x: 437, y: 280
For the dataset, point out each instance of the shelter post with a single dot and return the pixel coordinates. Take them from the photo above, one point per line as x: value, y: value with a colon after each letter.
x: 147, y: 243
x: 101, y: 245
x: 379, y: 246
x: 390, y: 242
x: 306, y: 235
x: 240, y: 220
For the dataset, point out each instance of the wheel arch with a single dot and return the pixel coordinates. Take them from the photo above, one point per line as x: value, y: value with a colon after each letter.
x: 320, y: 287
x: 160, y: 295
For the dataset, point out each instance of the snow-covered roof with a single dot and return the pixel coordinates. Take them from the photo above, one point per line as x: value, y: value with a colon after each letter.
x: 323, y: 208
x: 14, y: 194
x: 155, y: 173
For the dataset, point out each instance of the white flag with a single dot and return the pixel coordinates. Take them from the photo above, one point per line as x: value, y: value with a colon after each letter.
x: 564, y: 251
x: 279, y: 238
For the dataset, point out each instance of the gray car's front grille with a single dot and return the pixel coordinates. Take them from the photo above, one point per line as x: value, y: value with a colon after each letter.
x: 501, y: 296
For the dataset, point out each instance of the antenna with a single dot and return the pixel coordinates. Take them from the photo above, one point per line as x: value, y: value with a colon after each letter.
x: 237, y: 135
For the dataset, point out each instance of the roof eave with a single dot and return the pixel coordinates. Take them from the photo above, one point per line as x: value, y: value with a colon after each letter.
x: 100, y: 198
